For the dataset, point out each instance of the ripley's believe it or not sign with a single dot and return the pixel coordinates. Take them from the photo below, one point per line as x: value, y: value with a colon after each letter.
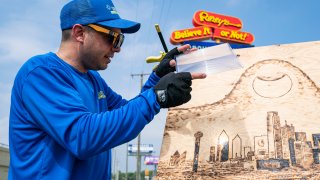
x: 215, y: 26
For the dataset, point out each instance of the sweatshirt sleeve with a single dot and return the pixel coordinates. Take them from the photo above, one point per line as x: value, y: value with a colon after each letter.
x: 54, y: 106
x: 152, y: 81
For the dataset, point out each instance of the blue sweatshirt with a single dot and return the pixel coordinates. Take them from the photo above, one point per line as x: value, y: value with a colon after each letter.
x: 63, y: 123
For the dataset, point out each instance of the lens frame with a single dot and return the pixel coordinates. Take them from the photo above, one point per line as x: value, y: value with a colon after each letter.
x: 118, y: 38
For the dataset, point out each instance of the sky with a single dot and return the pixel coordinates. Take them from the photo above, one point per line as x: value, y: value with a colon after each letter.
x: 32, y: 27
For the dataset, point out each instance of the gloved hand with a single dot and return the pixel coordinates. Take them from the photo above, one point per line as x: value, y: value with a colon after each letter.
x: 173, y: 89
x: 164, y: 66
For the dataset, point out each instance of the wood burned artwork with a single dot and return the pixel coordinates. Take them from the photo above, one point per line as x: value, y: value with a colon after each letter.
x: 258, y: 122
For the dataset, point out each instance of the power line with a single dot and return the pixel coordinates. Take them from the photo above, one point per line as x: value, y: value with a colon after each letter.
x: 166, y: 15
x: 149, y: 27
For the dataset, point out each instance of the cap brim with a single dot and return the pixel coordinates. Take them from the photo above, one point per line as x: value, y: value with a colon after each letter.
x: 126, y: 26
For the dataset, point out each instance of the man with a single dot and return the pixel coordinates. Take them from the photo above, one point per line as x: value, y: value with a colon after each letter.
x: 64, y: 118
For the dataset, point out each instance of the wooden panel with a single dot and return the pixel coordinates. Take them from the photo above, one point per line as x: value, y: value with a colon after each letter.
x: 261, y: 121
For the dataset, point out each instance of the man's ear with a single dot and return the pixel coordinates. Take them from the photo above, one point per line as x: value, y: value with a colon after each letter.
x: 78, y: 32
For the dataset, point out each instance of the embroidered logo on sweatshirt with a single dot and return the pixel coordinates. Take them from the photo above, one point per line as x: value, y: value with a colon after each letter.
x: 101, y: 95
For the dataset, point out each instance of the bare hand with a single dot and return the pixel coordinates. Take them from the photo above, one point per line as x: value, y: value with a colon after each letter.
x: 185, y: 49
x: 198, y: 75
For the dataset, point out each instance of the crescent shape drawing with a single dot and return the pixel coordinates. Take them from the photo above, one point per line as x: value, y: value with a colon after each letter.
x: 274, y: 86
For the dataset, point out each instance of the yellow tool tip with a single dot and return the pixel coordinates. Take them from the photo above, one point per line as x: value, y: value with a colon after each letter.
x: 157, y: 27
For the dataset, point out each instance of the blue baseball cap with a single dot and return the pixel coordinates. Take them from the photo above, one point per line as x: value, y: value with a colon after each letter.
x: 100, y: 12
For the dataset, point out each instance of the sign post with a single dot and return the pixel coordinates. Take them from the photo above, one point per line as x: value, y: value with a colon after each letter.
x: 152, y: 160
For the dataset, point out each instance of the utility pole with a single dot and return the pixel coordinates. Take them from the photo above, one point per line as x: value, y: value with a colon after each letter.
x: 138, y: 151
x: 114, y: 163
x: 126, y: 178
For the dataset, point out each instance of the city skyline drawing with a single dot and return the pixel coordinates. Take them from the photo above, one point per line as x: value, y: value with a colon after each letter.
x: 259, y: 121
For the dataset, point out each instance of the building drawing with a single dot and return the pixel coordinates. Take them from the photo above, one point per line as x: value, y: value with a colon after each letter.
x: 212, y: 154
x: 316, y: 140
x: 316, y: 150
x: 303, y: 151
x: 260, y: 146
x: 281, y: 147
x: 178, y: 159
x: 274, y: 135
x: 247, y: 153
x: 197, y: 135
x: 223, y: 147
x: 287, y: 133
x: 237, y: 147
x: 174, y: 160
x: 182, y: 158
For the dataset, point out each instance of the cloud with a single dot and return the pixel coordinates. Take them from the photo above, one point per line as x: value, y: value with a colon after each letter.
x: 5, y: 91
x: 18, y: 46
x: 18, y: 43
x: 29, y: 31
x: 138, y: 52
x: 5, y: 94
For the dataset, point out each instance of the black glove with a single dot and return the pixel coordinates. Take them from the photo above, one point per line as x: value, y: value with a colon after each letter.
x: 173, y: 89
x: 164, y: 66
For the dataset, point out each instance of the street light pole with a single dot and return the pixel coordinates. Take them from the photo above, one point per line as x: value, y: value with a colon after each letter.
x: 127, y: 163
x: 138, y: 150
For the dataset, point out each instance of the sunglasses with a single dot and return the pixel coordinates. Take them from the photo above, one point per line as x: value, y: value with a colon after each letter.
x: 116, y: 38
